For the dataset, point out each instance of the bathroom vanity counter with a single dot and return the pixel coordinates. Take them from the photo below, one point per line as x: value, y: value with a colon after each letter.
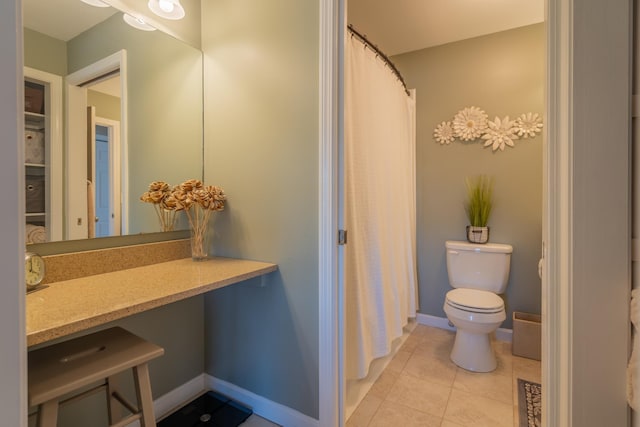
x: 74, y: 305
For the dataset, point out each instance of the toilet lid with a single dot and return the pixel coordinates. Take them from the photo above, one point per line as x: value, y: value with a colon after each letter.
x: 475, y: 300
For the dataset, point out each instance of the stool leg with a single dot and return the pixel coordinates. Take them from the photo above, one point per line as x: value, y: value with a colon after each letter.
x: 115, y: 409
x: 48, y: 414
x: 143, y: 392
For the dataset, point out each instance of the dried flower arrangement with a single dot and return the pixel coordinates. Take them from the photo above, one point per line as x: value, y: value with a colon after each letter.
x: 197, y: 201
x: 158, y: 193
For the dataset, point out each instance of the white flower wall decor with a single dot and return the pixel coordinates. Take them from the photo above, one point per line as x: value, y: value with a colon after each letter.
x: 472, y: 123
x: 444, y: 133
x: 528, y: 125
x: 500, y: 133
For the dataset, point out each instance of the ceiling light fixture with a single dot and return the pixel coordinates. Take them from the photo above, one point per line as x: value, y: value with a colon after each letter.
x: 137, y: 22
x: 96, y: 3
x: 168, y: 9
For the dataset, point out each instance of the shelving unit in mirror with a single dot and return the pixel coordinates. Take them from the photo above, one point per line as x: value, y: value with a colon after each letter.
x: 43, y: 186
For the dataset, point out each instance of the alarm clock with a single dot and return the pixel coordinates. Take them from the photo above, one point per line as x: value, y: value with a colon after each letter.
x: 33, y: 269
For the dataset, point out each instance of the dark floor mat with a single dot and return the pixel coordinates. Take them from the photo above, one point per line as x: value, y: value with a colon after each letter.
x: 209, y: 410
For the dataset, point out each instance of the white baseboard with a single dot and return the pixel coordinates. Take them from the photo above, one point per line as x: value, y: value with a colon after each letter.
x: 177, y: 397
x: 265, y: 408
x: 502, y: 334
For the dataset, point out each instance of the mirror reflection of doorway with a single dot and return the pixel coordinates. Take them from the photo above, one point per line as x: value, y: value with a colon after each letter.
x: 106, y: 167
x: 96, y: 96
x: 103, y: 157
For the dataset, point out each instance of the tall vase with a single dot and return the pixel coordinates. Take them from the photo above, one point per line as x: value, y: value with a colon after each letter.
x: 199, y: 243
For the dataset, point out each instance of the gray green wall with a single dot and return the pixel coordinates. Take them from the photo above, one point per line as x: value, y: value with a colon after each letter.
x: 261, y: 146
x: 44, y: 53
x: 503, y: 73
x: 107, y: 106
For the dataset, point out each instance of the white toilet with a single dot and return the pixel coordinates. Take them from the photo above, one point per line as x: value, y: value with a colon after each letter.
x: 478, y: 272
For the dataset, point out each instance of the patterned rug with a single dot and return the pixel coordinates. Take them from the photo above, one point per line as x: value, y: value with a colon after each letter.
x: 529, y: 403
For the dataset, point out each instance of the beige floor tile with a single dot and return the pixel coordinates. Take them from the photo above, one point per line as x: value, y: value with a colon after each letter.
x: 431, y: 334
x: 412, y: 342
x: 527, y: 369
x: 491, y: 385
x: 501, y: 346
x: 505, y: 358
x: 422, y: 395
x: 436, y: 367
x: 516, y: 420
x: 440, y: 349
x: 365, y: 411
x: 399, y: 361
x: 397, y: 415
x: 423, y: 367
x: 384, y: 383
x: 471, y: 410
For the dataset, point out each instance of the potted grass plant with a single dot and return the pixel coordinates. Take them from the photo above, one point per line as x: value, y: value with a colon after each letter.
x: 478, y: 207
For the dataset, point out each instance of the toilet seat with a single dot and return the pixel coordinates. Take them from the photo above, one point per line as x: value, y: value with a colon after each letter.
x: 474, y: 300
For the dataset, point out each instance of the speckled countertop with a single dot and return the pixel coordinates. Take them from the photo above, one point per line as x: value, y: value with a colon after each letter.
x: 74, y: 305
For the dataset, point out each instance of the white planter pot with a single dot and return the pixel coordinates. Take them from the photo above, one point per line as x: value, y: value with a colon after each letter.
x: 477, y: 234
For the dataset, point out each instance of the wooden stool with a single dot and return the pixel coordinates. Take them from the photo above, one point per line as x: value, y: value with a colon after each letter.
x: 71, y: 365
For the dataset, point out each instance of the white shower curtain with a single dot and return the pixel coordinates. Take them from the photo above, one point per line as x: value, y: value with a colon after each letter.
x: 380, y: 269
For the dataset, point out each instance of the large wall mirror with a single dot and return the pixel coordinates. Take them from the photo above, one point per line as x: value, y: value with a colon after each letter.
x: 131, y: 113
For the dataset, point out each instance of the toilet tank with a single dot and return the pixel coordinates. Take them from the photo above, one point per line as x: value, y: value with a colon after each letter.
x: 478, y: 266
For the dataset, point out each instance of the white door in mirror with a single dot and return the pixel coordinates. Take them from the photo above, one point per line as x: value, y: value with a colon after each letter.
x: 34, y: 269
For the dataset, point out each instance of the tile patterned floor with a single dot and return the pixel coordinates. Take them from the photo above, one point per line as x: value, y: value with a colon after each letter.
x: 422, y: 387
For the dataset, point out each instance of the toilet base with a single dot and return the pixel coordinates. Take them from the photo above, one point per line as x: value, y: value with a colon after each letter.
x: 473, y: 352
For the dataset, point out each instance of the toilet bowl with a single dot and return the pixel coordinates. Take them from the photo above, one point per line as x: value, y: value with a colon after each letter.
x: 478, y: 273
x: 475, y: 314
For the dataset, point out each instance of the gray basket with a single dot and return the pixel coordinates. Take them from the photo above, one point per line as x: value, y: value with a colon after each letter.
x: 527, y: 341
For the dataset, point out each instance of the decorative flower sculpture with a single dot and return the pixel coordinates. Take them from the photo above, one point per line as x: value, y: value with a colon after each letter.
x: 500, y: 133
x: 528, y: 125
x: 470, y: 123
x: 443, y: 133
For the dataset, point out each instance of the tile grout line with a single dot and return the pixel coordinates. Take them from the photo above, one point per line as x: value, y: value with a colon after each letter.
x: 446, y: 406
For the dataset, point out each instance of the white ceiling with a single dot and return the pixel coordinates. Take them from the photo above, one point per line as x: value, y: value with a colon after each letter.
x: 62, y: 19
x: 399, y: 26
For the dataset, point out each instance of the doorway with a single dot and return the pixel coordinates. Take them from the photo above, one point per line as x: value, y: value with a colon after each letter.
x: 106, y: 177
x: 102, y: 83
x: 573, y: 395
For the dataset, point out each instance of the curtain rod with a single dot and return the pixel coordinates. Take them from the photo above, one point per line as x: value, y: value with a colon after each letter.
x: 378, y: 52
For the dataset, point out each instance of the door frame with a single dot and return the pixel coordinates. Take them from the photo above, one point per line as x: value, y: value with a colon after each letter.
x: 76, y: 131
x: 13, y: 351
x: 559, y: 300
x: 117, y: 173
